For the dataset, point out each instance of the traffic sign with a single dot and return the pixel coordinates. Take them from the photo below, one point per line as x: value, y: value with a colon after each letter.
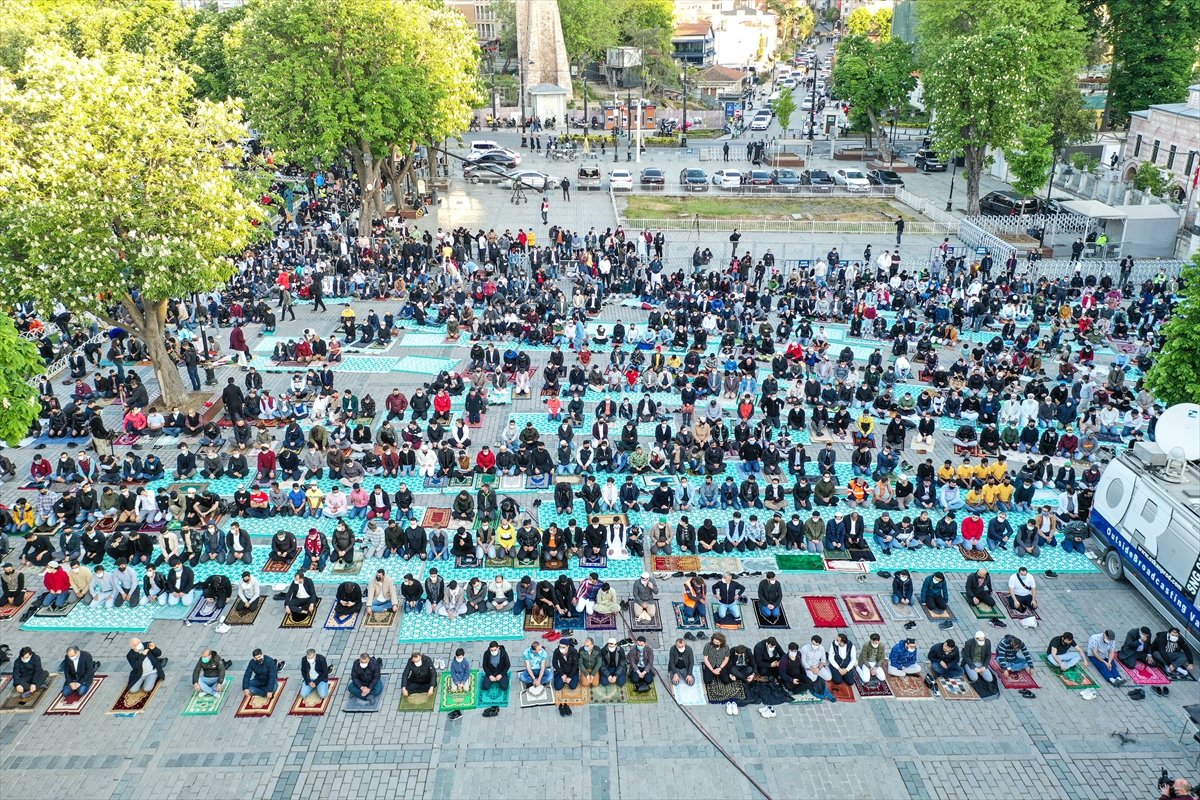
x: 982, y: 251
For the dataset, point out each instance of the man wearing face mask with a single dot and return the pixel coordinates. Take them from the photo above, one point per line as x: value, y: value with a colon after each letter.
x: 208, y: 675
x: 79, y: 673
x: 641, y: 666
x: 262, y: 676
x: 146, y: 664
x: 902, y: 661
x: 314, y: 671
x: 28, y: 674
x: 1173, y: 654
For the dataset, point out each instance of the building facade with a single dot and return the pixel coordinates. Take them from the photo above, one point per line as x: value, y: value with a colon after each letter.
x: 1167, y: 136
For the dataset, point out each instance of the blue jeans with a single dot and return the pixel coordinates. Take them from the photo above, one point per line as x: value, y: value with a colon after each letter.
x: 322, y: 689
x: 1016, y: 665
x: 358, y: 512
x: 1067, y: 659
x: 208, y: 685
x: 1072, y: 546
x: 306, y: 565
x: 946, y: 672
x: 1108, y: 673
x: 770, y: 613
x: 56, y: 599
x: 885, y: 546
x: 354, y: 691
x: 381, y: 605
x: 729, y: 609
x: 527, y: 679
x: 522, y: 605
x: 571, y: 683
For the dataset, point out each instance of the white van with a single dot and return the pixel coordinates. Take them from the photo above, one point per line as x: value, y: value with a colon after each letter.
x: 483, y: 145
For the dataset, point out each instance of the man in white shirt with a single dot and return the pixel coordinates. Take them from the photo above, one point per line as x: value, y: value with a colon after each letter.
x: 1023, y: 589
x: 248, y: 593
x: 812, y: 657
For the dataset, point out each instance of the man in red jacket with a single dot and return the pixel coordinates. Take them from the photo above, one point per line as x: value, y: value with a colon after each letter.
x: 265, y: 463
x: 485, y: 461
x: 396, y: 404
x: 972, y: 532
x: 58, y: 585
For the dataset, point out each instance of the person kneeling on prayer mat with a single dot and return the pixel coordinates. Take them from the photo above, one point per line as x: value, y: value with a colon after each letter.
x: 262, y: 676
x: 419, y: 676
x: 347, y: 602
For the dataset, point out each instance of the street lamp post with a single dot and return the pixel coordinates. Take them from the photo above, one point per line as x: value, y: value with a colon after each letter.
x: 523, y: 75
x: 812, y: 112
x: 892, y: 141
x: 953, y: 171
x: 683, y: 127
x: 616, y: 126
x: 586, y: 123
x: 1049, y: 189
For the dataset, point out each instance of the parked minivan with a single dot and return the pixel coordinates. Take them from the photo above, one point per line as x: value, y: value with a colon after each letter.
x: 589, y: 177
x: 1007, y: 204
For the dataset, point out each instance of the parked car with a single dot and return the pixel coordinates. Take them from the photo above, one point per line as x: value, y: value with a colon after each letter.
x: 589, y: 176
x: 759, y: 177
x: 760, y: 122
x: 620, y: 179
x: 786, y: 178
x: 653, y: 177
x: 816, y: 177
x: 884, y: 177
x: 853, y: 179
x: 727, y: 178
x: 927, y: 160
x: 496, y: 158
x: 532, y: 179
x: 693, y: 180
x: 485, y: 173
x: 1054, y: 206
x: 1007, y: 204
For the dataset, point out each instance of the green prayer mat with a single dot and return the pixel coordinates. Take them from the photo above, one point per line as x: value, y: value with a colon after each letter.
x: 1076, y: 678
x: 203, y: 705
x: 495, y: 696
x: 800, y: 562
x: 457, y: 701
x: 995, y: 613
x: 632, y: 696
x: 419, y: 702
x: 602, y: 695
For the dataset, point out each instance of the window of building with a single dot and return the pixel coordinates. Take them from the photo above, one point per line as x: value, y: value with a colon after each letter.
x: 1154, y: 152
x: 1137, y: 146
x: 1191, y: 163
x: 1171, y: 158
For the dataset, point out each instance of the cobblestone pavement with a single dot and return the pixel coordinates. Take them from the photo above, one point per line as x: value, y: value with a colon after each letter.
x: 1055, y: 746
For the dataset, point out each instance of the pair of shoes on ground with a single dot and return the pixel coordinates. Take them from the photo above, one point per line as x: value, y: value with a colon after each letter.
x: 698, y: 636
x: 564, y: 710
x: 731, y: 709
x: 766, y: 712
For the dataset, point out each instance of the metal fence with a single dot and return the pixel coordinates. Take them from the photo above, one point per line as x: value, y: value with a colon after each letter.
x: 972, y: 235
x: 790, y: 226
x: 743, y: 190
x: 926, y: 207
x: 1059, y: 223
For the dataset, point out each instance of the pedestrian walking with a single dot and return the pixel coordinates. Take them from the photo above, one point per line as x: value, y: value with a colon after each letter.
x: 566, y: 187
x: 899, y: 229
x: 545, y: 210
x: 317, y: 292
x: 725, y: 150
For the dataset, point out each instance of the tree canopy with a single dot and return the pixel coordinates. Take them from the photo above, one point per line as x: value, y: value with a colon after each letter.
x: 984, y: 68
x: 19, y: 361
x: 1153, y: 53
x: 873, y: 77
x: 797, y: 21
x: 116, y: 191
x: 590, y: 27
x: 1175, y: 375
x: 785, y: 106
x: 325, y: 78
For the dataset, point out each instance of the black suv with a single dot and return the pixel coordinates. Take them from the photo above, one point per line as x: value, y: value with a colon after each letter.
x: 928, y: 161
x: 1007, y: 204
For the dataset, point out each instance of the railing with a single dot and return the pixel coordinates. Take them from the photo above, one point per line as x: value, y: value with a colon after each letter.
x: 972, y: 235
x: 926, y: 207
x: 675, y: 190
x: 1019, y: 224
x: 848, y: 228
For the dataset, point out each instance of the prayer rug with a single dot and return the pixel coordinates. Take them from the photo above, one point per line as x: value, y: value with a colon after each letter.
x: 303, y: 621
x: 861, y: 555
x: 846, y: 566
x: 131, y: 703
x: 675, y: 563
x: 898, y: 612
x: 204, y: 611
x: 499, y: 563
x: 255, y: 706
x: 579, y: 696
x: 1006, y: 599
x: 804, y: 697
x: 691, y: 695
x: 863, y: 610
x: 957, y: 689
x: 236, y: 617
x: 436, y: 482
x: 126, y: 439
x: 274, y: 565
x: 356, y: 704
x: 530, y: 698
x: 728, y: 623
x: 457, y: 701
x: 532, y: 625
x: 612, y: 519
x: 700, y: 625
x: 353, y: 568
x: 937, y: 616
x: 379, y: 619
x: 607, y: 695
x: 767, y: 624
x: 466, y: 562
x: 50, y: 611
x: 599, y: 562
x: 979, y: 612
x: 313, y: 705
x: 575, y: 622
x: 909, y: 687
x: 15, y: 704
x: 537, y: 481
x: 436, y: 518
x: 872, y: 691
x: 720, y: 564
x: 825, y: 612
x: 975, y: 555
x: 718, y: 692
x: 1145, y: 675
x: 62, y: 708
x: 1076, y: 678
x: 205, y: 705
x: 653, y: 625
x: 466, y: 482
x: 1022, y: 680
x: 422, y: 701
x: 800, y: 562
x: 509, y: 483
x: 632, y: 695
x: 601, y: 622
x: 844, y: 692
x: 331, y: 624
x: 422, y: 365
x: 493, y: 696
x: 10, y: 611
x: 421, y: 628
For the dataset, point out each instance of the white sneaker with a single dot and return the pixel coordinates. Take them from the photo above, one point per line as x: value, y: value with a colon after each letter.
x: 771, y: 712
x: 762, y: 711
x: 729, y: 709
x: 734, y: 709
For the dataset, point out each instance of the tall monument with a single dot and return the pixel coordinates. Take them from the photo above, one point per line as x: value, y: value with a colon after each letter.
x: 542, y: 59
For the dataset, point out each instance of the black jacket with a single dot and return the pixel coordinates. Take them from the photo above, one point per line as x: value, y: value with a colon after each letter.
x: 501, y: 668
x: 318, y: 672
x: 1159, y: 645
x: 367, y: 676
x: 135, y: 664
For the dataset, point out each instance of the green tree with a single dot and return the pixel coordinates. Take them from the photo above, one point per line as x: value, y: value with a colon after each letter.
x: 19, y: 362
x: 1153, y: 53
x: 1149, y: 178
x: 1031, y: 158
x: 1175, y: 375
x: 873, y: 77
x: 206, y: 46
x: 785, y: 106
x: 881, y: 21
x: 796, y: 19
x: 984, y: 69
x: 859, y: 23
x: 117, y: 192
x: 370, y: 78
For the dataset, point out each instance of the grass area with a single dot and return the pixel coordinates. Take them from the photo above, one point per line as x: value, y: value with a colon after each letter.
x: 847, y: 209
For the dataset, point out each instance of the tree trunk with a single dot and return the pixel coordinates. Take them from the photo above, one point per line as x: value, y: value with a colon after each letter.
x: 973, y: 157
x: 878, y: 131
x: 150, y: 328
x: 367, y: 167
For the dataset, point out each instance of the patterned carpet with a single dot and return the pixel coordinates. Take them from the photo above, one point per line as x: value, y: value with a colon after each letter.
x: 421, y: 628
